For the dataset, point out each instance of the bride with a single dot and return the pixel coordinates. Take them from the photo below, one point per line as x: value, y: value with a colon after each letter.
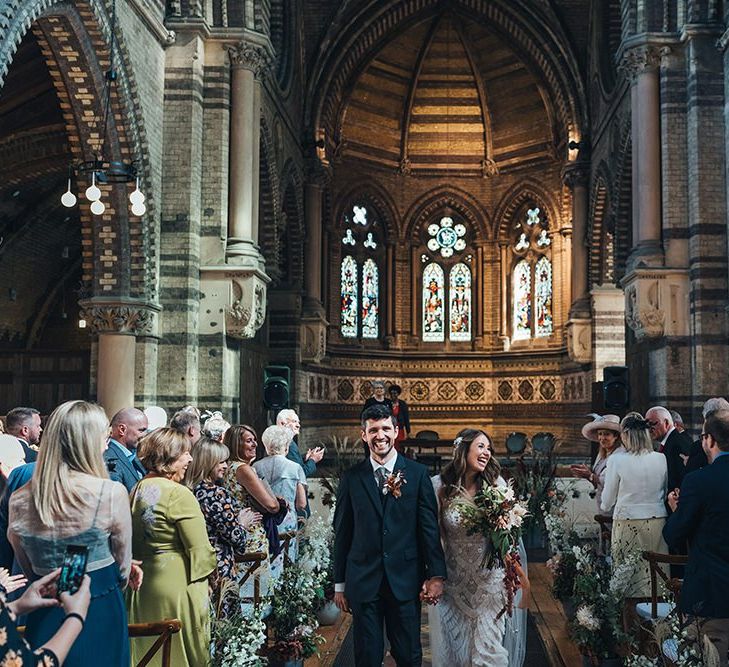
x: 464, y: 630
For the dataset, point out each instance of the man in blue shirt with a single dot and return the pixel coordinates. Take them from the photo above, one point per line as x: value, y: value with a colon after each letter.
x: 128, y: 426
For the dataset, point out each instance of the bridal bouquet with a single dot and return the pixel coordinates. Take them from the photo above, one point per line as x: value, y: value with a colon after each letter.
x: 497, y: 514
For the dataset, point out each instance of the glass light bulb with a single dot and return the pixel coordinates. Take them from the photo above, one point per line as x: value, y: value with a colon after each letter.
x: 68, y: 199
x: 92, y: 192
x: 138, y: 209
x: 137, y: 197
x: 97, y: 207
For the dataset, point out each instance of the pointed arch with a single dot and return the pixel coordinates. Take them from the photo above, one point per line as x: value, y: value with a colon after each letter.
x: 269, y: 204
x: 445, y: 197
x: 517, y: 196
x: 600, y: 229
x: 372, y: 192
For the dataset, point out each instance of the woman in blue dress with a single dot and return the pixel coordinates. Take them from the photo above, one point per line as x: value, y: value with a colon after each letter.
x: 70, y: 500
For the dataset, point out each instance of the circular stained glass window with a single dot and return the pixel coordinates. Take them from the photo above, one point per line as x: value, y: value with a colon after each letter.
x: 446, y: 237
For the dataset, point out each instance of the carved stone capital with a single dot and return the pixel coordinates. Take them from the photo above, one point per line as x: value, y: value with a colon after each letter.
x: 576, y: 174
x: 123, y: 316
x: 233, y: 300
x: 489, y: 168
x: 249, y: 56
x: 579, y: 340
x: 313, y: 339
x: 641, y: 58
x: 656, y: 302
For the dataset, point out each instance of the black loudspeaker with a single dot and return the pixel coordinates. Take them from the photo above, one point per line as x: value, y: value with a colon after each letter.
x: 616, y: 387
x: 276, y: 381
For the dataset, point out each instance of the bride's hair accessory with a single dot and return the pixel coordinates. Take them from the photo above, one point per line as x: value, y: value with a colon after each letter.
x: 457, y: 442
x: 632, y: 423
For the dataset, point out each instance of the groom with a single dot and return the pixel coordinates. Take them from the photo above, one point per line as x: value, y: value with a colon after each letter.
x: 386, y: 546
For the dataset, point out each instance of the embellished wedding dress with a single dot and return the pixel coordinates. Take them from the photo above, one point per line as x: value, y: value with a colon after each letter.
x: 464, y: 631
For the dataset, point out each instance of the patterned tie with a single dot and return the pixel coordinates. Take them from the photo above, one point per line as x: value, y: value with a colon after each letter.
x: 381, y: 476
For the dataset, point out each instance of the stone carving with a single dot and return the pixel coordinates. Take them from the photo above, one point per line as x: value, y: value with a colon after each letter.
x: 249, y: 56
x: 637, y: 60
x: 575, y: 174
x: 579, y: 340
x: 119, y: 317
x: 547, y: 390
x: 489, y: 168
x: 405, y: 166
x: 247, y: 311
x: 313, y: 340
x: 644, y: 316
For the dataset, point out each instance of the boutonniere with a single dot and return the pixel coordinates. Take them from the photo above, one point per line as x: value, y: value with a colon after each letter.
x: 393, y: 484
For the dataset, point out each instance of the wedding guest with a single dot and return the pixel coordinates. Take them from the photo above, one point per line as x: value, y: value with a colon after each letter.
x: 285, y: 478
x: 71, y: 501
x: 671, y: 443
x: 400, y: 412
x: 25, y: 425
x: 187, y: 422
x: 171, y: 540
x: 215, y: 426
x: 14, y: 649
x: 677, y: 421
x: 290, y: 420
x: 635, y: 486
x: 701, y: 517
x: 11, y: 456
x: 249, y: 490
x: 128, y: 427
x: 378, y: 396
x: 226, y: 521
x: 606, y: 431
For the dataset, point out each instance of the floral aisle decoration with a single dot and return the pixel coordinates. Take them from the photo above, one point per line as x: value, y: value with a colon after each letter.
x: 496, y: 513
x: 316, y: 555
x: 237, y: 640
x: 561, y: 540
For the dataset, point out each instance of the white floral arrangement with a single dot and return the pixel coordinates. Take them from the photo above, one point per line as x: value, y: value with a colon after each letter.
x: 585, y: 616
x: 241, y: 640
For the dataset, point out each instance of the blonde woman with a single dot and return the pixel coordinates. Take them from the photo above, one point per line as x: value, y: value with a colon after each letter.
x: 635, y: 488
x: 70, y: 500
x: 226, y: 521
x: 171, y: 540
x: 250, y: 491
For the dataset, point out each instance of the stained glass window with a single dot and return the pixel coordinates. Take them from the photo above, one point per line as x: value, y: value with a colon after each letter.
x: 433, y: 308
x: 522, y: 301
x: 543, y: 297
x: 459, y: 297
x: 349, y: 297
x: 370, y: 301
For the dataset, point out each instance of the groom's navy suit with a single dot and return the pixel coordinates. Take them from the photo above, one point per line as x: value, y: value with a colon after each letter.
x: 384, y: 549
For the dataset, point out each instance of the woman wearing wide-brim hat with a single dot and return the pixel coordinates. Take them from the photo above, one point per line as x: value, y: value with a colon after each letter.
x: 605, y: 430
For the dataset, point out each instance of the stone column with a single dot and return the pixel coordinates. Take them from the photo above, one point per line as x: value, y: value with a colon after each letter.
x: 576, y: 176
x: 387, y: 296
x: 641, y: 64
x: 479, y: 306
x: 247, y: 63
x: 505, y: 293
x: 117, y: 323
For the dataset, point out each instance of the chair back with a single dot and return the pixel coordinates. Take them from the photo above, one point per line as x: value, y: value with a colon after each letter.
x: 163, y: 630
x: 543, y: 443
x: 427, y: 435
x: 516, y: 443
x: 655, y: 560
x: 253, y: 561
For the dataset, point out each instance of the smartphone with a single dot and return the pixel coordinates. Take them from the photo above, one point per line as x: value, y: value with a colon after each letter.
x: 73, y: 568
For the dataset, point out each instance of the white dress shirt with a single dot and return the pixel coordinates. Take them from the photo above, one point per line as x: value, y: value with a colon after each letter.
x: 636, y: 485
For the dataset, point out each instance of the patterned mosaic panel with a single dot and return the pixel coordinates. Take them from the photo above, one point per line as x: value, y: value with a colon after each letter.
x: 447, y: 390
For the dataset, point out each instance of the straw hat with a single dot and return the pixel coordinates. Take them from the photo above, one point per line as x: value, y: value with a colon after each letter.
x: 601, y: 423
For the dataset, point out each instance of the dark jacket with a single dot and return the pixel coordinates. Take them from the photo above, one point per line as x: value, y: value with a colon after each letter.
x: 17, y: 478
x: 120, y: 468
x: 397, y: 539
x: 403, y: 416
x: 676, y: 444
x: 309, y: 468
x: 30, y: 454
x: 702, y: 519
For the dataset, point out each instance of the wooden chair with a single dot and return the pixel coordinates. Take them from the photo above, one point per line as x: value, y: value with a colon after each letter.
x: 286, y: 539
x: 606, y: 529
x: 253, y: 560
x: 657, y: 609
x: 163, y: 630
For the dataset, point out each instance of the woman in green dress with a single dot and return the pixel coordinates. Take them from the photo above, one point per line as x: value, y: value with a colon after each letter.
x: 170, y: 538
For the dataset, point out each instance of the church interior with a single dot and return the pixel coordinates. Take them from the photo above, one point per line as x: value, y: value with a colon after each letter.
x: 486, y: 202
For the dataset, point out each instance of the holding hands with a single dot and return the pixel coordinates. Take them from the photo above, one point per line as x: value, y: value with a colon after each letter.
x: 432, y: 590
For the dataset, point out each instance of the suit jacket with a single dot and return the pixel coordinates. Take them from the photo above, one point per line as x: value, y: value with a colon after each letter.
x: 18, y: 477
x: 397, y: 540
x: 30, y: 454
x: 702, y: 518
x: 676, y: 444
x: 120, y: 468
x: 295, y: 456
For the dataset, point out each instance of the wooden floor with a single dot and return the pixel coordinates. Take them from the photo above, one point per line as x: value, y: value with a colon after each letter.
x: 548, y: 615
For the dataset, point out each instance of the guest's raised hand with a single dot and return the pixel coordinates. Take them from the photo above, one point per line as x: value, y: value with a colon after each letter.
x: 11, y: 582
x: 248, y: 517
x: 316, y: 454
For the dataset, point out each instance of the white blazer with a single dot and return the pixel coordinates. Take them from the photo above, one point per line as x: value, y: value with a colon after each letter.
x: 636, y: 485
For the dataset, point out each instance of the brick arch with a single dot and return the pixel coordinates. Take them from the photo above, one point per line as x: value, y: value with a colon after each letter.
x: 380, y: 198
x: 447, y: 197
x: 352, y: 43
x: 83, y: 28
x: 600, y: 229
x: 269, y: 198
x: 621, y: 204
x: 516, y: 197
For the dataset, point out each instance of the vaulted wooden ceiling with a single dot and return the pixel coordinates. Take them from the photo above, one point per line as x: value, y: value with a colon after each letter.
x: 447, y: 96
